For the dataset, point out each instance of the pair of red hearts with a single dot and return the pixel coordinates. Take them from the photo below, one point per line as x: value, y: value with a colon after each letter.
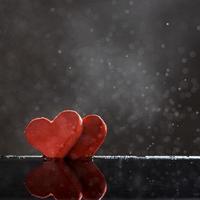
x: 67, y: 135
x: 74, y: 180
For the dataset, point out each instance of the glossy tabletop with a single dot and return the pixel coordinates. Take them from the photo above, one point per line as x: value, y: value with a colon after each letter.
x: 102, y: 177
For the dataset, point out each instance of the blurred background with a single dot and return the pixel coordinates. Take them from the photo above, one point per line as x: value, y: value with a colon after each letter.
x: 136, y: 63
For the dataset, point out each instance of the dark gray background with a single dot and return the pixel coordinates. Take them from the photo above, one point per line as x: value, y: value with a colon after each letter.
x: 135, y: 63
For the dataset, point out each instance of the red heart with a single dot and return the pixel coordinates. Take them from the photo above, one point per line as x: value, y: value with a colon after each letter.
x: 54, y: 178
x: 94, y: 133
x: 55, y: 138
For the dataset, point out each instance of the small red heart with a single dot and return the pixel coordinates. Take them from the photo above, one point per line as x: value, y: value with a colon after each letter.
x: 55, y: 138
x: 94, y: 133
x: 54, y: 178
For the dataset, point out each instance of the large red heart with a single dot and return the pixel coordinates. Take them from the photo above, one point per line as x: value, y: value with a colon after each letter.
x: 55, y: 138
x: 54, y: 178
x: 94, y: 133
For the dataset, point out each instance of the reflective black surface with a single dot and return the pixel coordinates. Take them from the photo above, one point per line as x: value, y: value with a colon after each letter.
x: 126, y: 178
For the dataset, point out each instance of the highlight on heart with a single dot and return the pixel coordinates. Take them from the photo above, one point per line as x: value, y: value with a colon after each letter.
x: 66, y: 180
x: 67, y: 135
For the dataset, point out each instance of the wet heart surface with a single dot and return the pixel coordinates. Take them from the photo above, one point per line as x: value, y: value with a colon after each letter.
x: 94, y: 133
x: 55, y: 138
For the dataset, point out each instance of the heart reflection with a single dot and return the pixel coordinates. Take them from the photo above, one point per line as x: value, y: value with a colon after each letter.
x: 67, y: 180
